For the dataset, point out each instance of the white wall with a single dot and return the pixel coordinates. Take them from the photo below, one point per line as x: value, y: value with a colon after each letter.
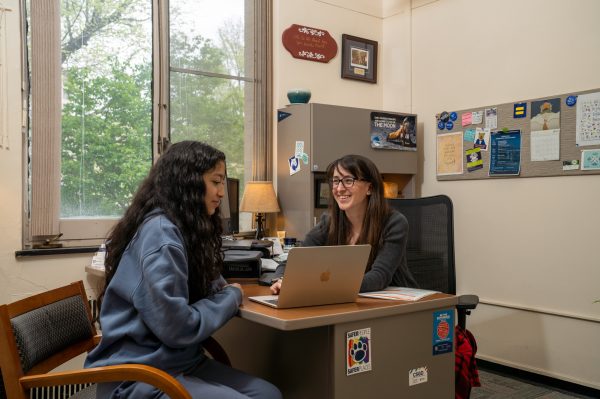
x: 520, y: 243
x: 323, y: 79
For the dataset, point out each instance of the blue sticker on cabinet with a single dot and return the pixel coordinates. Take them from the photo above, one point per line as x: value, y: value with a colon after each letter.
x: 281, y: 115
x: 443, y: 331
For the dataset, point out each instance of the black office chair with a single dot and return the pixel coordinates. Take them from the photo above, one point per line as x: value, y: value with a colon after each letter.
x: 430, y: 247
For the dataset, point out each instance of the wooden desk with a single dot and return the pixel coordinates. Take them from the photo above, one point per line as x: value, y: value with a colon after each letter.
x: 303, y: 350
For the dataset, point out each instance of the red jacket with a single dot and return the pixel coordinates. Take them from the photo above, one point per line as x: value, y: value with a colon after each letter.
x: 465, y: 366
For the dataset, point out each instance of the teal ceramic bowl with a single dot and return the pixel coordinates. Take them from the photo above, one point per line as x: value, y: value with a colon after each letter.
x: 298, y: 96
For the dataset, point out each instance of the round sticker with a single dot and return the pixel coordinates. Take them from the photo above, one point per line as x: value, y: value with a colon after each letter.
x: 441, y: 125
x: 444, y: 116
x: 453, y: 116
x: 449, y: 125
x: 443, y: 329
x: 571, y: 100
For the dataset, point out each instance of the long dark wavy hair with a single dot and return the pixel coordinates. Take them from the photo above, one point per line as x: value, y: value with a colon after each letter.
x: 377, y: 212
x: 176, y: 186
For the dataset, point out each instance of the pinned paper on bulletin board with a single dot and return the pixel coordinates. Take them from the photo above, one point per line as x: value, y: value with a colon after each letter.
x: 587, y: 130
x: 491, y: 118
x: 505, y: 155
x: 545, y: 114
x: 590, y: 160
x: 520, y: 110
x: 449, y: 154
x: 482, y: 139
x: 469, y: 135
x: 467, y: 118
x: 474, y: 160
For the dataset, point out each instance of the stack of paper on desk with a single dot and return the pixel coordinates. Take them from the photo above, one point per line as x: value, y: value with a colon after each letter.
x: 268, y: 265
x: 399, y: 294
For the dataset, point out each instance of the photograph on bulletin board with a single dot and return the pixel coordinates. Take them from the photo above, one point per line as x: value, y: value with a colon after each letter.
x: 545, y: 114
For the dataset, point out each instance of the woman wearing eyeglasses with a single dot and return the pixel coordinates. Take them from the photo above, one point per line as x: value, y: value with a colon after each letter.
x: 359, y: 214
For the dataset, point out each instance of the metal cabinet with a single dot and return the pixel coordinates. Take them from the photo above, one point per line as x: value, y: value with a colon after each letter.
x: 328, y: 132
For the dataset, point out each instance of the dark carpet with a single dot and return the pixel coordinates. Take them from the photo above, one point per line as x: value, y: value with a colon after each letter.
x: 502, y: 384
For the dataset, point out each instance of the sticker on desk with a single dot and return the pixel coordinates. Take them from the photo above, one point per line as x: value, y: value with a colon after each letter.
x: 358, y: 351
x: 417, y: 376
x: 443, y: 331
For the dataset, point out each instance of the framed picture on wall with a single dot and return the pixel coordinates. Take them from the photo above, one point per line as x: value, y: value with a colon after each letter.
x: 359, y: 59
x: 322, y: 192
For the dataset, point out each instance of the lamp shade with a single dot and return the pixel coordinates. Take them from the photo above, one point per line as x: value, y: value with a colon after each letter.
x: 259, y: 196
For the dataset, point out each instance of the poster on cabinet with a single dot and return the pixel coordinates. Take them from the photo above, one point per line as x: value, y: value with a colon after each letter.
x: 393, y: 131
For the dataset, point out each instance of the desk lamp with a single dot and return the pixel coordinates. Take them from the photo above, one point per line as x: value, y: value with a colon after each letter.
x: 259, y: 197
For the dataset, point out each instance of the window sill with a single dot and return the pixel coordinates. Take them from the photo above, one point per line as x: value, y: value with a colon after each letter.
x: 56, y: 251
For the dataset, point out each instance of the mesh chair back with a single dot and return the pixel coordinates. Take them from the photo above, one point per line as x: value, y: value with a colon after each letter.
x: 430, y: 245
x: 44, y: 331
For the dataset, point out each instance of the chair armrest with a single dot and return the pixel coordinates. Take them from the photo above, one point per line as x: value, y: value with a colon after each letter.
x: 126, y: 372
x: 467, y: 302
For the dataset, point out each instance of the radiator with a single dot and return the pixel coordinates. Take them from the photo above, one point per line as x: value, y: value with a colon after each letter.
x: 58, y: 392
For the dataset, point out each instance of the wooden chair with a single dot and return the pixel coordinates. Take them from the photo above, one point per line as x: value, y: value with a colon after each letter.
x: 39, y: 333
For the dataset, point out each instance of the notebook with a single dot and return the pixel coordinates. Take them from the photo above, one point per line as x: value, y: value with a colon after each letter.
x: 320, y: 276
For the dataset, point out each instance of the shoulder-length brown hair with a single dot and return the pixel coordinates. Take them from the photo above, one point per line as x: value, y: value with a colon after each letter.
x: 377, y: 208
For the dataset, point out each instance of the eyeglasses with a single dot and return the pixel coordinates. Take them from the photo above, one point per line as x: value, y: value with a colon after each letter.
x: 347, y: 182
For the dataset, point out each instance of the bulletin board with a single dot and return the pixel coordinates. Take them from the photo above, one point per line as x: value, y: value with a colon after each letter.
x: 543, y: 150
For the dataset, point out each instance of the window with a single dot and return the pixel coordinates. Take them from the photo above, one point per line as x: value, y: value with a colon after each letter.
x: 113, y: 81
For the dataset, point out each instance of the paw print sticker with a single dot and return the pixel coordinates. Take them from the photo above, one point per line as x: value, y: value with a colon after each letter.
x: 360, y: 350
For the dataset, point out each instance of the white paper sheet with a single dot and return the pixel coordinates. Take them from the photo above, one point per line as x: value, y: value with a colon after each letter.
x: 545, y: 145
x: 588, y: 119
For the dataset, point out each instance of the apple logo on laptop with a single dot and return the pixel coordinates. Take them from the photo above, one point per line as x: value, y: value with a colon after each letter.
x: 325, y: 276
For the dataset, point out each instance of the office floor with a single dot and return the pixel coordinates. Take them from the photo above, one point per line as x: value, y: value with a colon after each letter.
x: 498, y: 385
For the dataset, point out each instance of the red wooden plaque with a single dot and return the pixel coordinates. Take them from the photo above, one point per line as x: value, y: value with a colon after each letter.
x: 309, y: 43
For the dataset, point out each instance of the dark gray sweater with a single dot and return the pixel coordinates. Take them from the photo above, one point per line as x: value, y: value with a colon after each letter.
x: 389, y: 267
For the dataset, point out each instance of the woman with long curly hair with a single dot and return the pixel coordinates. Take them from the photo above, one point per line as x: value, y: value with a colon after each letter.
x: 359, y: 214
x: 164, y: 294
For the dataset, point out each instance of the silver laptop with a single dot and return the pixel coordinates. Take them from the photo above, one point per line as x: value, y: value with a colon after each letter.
x: 320, y: 276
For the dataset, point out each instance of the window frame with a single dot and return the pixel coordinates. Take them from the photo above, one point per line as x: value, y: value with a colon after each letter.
x: 74, y: 232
